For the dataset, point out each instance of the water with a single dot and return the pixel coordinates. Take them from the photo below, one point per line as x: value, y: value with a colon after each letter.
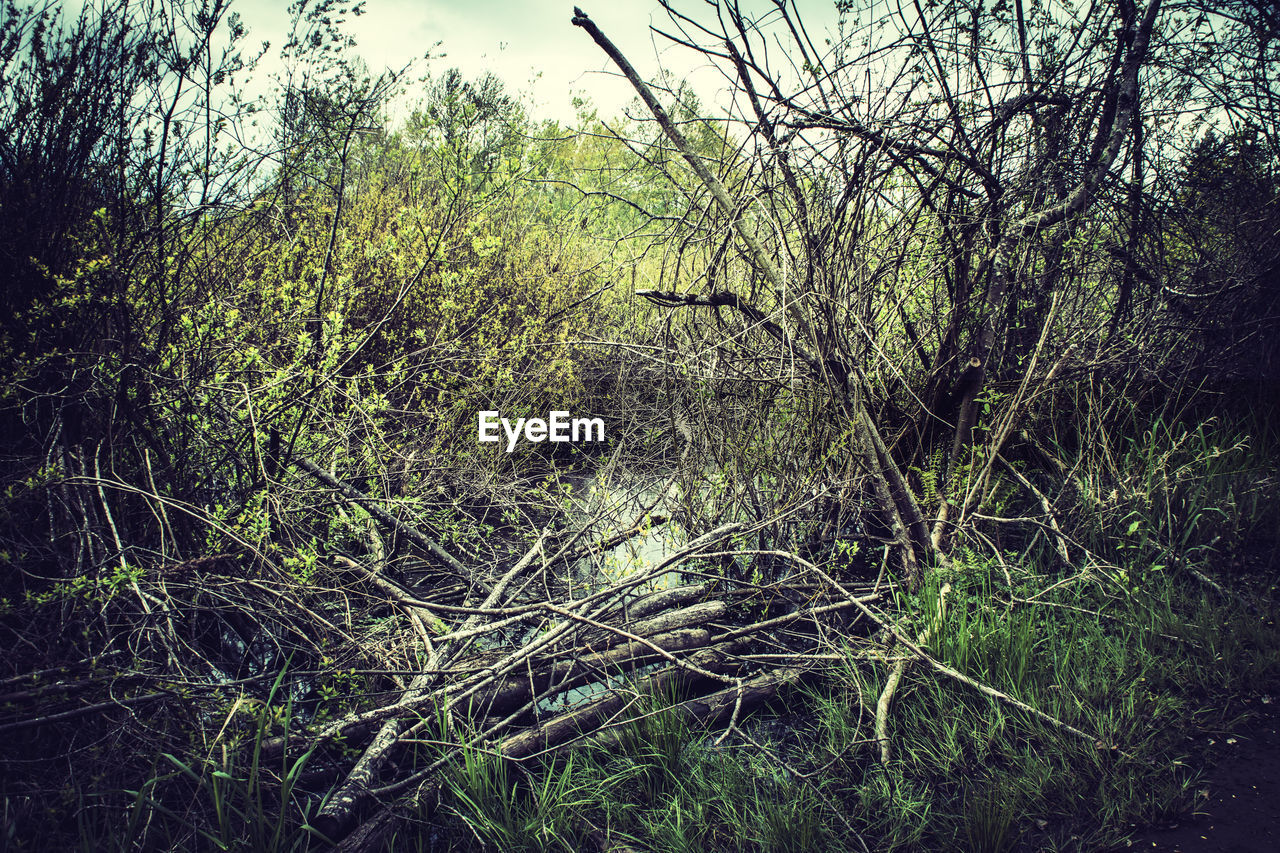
x: 607, y: 508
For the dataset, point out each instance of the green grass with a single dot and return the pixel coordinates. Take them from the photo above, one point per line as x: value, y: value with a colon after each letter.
x: 1125, y: 644
x: 967, y: 773
x: 509, y: 811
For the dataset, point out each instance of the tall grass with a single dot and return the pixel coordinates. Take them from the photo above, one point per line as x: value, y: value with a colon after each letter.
x: 226, y: 797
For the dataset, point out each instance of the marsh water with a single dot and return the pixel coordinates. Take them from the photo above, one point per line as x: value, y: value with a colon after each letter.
x: 610, y: 507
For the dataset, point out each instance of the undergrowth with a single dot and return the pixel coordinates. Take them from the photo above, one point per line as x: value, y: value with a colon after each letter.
x: 1127, y: 643
x: 1149, y: 674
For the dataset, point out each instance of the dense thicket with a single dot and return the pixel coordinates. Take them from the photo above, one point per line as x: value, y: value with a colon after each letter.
x: 928, y: 297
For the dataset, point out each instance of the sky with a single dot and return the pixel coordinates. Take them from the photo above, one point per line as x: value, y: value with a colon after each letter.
x: 530, y: 44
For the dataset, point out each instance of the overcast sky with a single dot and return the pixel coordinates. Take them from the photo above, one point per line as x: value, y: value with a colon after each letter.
x: 518, y: 39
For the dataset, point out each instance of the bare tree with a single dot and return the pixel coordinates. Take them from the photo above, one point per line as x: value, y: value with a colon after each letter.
x: 903, y: 221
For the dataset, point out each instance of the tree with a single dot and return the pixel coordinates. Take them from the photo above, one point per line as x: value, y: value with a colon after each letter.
x: 924, y: 181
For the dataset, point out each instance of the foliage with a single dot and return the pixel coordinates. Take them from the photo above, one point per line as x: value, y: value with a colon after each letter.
x: 995, y: 357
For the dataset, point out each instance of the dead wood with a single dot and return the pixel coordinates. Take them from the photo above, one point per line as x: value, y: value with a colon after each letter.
x: 568, y: 674
x: 566, y: 727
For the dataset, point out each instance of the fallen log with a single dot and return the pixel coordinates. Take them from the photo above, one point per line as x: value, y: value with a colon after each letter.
x: 420, y: 699
x: 697, y: 614
x: 566, y: 727
x: 567, y: 731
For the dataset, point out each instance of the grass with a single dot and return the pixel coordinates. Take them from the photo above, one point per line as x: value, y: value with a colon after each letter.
x: 226, y: 798
x: 1125, y: 644
x: 507, y: 811
x: 968, y: 774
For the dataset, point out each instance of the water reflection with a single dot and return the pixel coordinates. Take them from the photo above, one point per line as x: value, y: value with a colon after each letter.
x: 608, y: 507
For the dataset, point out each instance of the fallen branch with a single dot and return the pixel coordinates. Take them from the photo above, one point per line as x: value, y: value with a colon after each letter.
x: 895, y: 677
x: 937, y: 664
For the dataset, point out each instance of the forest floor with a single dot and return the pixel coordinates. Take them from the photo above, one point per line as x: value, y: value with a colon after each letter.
x: 1238, y: 804
x: 1237, y: 808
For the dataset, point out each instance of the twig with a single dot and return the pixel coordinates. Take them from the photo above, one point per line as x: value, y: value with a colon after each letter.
x: 938, y: 665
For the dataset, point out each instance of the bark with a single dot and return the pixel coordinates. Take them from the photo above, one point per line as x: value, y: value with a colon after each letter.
x: 568, y: 674
x: 561, y: 729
